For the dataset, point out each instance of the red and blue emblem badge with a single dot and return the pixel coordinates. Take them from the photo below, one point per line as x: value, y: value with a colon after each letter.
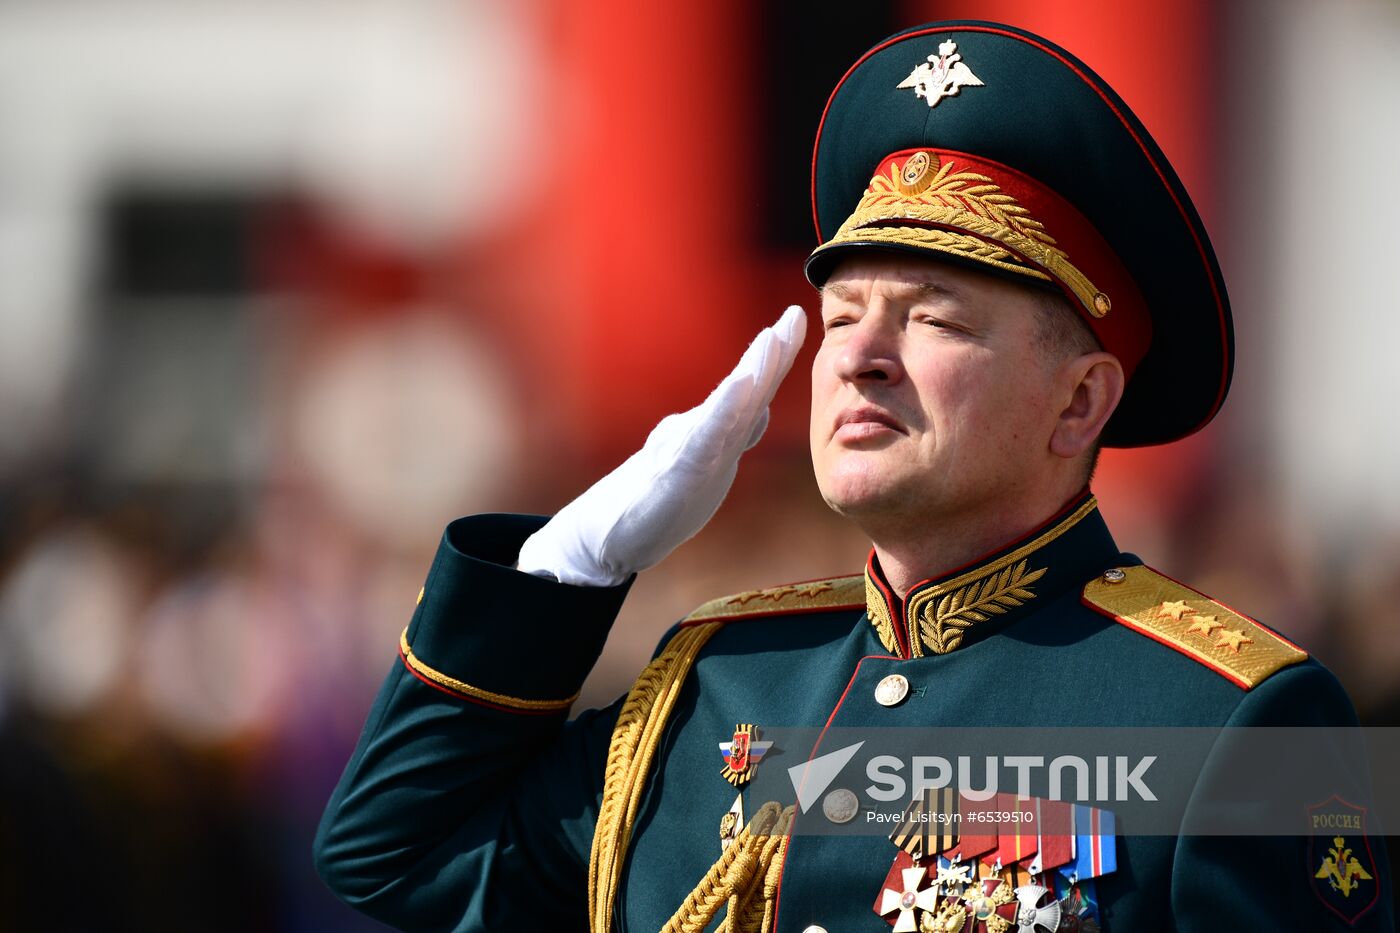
x: 742, y: 754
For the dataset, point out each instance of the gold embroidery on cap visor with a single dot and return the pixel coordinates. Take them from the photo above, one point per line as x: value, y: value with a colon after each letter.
x: 970, y: 216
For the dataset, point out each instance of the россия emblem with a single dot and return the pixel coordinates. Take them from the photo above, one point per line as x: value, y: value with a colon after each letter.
x: 941, y: 76
x: 1340, y: 863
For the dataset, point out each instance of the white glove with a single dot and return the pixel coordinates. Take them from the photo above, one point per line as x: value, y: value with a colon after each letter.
x: 664, y: 493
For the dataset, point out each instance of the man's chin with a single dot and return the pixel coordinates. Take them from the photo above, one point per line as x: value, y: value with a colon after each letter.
x: 866, y: 503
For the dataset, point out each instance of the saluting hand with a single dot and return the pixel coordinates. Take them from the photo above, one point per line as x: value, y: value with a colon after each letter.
x: 664, y: 493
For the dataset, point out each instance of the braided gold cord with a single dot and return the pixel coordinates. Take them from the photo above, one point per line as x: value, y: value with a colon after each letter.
x: 700, y: 907
x: 770, y: 884
x: 745, y: 911
x: 703, y: 902
x: 736, y: 883
x: 758, y: 914
x: 713, y: 891
x: 742, y: 888
x: 745, y: 879
x: 640, y: 725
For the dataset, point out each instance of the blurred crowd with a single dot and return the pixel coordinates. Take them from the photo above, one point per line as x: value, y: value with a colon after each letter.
x: 283, y: 292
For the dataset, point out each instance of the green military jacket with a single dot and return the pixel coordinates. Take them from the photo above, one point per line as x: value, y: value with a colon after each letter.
x: 471, y: 800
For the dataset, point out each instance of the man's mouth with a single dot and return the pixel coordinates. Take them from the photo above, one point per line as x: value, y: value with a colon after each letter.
x: 866, y: 421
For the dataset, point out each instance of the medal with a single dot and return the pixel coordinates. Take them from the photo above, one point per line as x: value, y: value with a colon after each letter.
x: 732, y: 823
x: 1079, y: 911
x: 909, y: 898
x: 906, y: 891
x: 1037, y: 911
x: 991, y: 905
x: 742, y: 754
x: 953, y: 877
x: 950, y: 917
x: 929, y: 825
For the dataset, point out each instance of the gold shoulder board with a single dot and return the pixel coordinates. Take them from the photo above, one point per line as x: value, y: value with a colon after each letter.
x: 1234, y: 646
x: 812, y: 596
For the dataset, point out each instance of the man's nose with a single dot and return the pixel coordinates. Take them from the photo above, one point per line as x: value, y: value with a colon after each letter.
x: 870, y: 352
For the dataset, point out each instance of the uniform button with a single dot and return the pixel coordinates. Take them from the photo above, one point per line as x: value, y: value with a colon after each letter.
x: 814, y: 929
x: 892, y: 690
x: 1114, y: 576
x: 840, y: 806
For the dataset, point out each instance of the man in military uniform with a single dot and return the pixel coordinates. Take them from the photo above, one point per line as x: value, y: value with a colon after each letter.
x: 1011, y: 274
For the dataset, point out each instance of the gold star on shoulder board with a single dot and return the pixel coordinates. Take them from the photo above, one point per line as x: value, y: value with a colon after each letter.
x: 1175, y: 610
x: 1201, y: 628
x: 1233, y: 640
x: 1204, y: 626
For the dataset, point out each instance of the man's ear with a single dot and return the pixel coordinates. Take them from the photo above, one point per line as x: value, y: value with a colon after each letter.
x: 1095, y: 383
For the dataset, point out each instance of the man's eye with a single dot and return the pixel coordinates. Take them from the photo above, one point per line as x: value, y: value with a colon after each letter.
x: 836, y: 322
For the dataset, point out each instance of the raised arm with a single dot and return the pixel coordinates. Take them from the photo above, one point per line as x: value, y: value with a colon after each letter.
x: 470, y: 800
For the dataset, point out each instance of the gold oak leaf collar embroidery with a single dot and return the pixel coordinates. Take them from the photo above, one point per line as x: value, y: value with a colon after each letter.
x: 936, y: 616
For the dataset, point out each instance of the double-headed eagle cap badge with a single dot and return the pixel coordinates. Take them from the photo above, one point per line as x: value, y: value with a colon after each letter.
x: 943, y: 75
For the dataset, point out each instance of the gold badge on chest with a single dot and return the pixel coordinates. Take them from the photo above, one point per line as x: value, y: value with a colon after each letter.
x: 742, y: 754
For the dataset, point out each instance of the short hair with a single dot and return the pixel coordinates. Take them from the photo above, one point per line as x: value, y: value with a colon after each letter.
x: 1061, y: 329
x: 1064, y: 335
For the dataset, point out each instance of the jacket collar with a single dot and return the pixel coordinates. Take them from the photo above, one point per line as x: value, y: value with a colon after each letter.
x: 942, y: 614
